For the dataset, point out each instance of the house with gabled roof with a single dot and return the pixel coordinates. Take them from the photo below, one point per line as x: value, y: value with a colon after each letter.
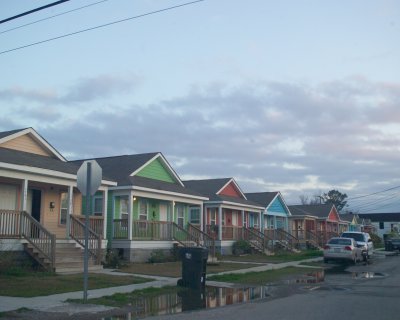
x: 381, y: 223
x: 150, y: 204
x: 354, y: 221
x: 275, y: 219
x: 227, y: 212
x: 40, y: 204
x: 316, y: 223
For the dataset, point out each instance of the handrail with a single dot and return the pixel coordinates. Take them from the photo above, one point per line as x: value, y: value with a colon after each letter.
x: 291, y: 240
x: 257, y: 238
x: 182, y: 236
x: 39, y: 237
x: 204, y: 238
x: 314, y: 238
x: 77, y: 232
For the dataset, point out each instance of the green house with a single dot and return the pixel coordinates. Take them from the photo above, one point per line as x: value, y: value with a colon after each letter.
x: 150, y: 206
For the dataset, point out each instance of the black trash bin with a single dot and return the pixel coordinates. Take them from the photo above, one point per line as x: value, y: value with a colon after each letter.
x: 388, y: 242
x: 194, y: 265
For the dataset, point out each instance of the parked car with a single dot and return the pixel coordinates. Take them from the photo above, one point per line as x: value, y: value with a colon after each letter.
x: 363, y: 240
x: 339, y: 248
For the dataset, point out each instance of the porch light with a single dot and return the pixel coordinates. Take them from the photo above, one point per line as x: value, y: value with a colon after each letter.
x: 134, y: 198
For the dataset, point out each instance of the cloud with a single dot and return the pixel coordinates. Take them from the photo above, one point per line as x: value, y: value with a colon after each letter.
x: 270, y: 136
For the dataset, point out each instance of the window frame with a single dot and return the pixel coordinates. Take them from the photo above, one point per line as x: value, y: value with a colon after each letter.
x: 195, y: 210
x: 94, y: 211
x: 63, y: 210
x: 180, y: 215
x: 145, y: 204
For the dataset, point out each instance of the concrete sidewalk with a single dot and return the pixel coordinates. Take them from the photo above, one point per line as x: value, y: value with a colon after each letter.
x: 56, y: 302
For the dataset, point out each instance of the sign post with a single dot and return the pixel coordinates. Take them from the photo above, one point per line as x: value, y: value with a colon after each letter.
x: 88, y: 181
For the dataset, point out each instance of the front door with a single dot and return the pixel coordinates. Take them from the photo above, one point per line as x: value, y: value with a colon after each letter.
x: 163, y: 212
x: 35, y: 206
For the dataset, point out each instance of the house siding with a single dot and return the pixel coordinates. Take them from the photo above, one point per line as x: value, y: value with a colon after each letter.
x: 231, y: 191
x: 155, y: 170
x: 277, y: 208
x: 27, y: 144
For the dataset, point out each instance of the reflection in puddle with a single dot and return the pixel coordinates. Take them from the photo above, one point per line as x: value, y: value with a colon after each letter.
x: 309, y: 278
x: 186, y: 300
x: 367, y: 275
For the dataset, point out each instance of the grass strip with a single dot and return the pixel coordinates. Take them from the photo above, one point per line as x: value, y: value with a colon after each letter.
x: 279, y: 257
x: 35, y: 284
x: 174, y: 269
x: 261, y: 277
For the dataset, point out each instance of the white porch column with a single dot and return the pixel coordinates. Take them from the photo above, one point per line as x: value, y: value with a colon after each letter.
x: 243, y: 219
x: 261, y: 221
x: 70, y: 210
x: 219, y: 223
x: 130, y: 215
x: 173, y: 211
x: 275, y: 223
x: 105, y: 213
x: 24, y: 194
x: 201, y: 218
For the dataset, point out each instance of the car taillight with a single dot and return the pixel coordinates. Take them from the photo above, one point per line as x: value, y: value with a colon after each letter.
x: 348, y: 248
x: 326, y: 247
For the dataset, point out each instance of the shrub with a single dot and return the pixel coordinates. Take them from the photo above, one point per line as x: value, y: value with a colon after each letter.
x: 376, y: 240
x: 157, y: 256
x: 112, y: 259
x: 241, y: 247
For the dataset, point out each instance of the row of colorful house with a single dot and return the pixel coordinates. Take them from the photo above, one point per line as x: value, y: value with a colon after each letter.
x: 142, y: 205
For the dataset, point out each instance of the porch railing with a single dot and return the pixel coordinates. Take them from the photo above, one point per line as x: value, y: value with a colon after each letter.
x: 40, y: 238
x: 287, y: 238
x: 120, y: 229
x: 151, y: 230
x: 203, y: 239
x: 77, y: 232
x: 255, y: 237
x: 96, y: 223
x: 10, y: 222
x: 19, y: 224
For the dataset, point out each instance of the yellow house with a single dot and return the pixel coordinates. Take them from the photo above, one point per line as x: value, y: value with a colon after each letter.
x: 40, y: 205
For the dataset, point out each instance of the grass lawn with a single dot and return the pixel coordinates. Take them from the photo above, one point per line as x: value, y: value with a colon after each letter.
x: 263, y: 277
x: 32, y: 284
x: 174, y: 269
x: 277, y: 258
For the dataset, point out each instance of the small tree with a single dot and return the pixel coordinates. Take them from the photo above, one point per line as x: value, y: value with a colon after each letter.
x: 335, y: 197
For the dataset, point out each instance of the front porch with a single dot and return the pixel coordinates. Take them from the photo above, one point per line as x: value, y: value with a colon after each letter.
x: 25, y: 233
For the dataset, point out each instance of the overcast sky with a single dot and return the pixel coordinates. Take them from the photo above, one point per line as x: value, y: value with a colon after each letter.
x: 294, y: 96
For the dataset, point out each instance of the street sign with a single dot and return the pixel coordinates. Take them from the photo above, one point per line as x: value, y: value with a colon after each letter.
x: 95, y: 177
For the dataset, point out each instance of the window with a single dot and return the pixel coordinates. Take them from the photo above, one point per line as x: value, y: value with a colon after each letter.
x: 381, y: 225
x: 98, y: 206
x: 213, y: 216
x: 8, y: 197
x: 124, y: 208
x: 63, y: 208
x: 194, y: 215
x: 142, y: 210
x: 180, y: 214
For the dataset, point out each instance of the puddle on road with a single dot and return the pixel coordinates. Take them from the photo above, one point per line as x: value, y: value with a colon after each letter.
x: 171, y: 303
x: 214, y: 297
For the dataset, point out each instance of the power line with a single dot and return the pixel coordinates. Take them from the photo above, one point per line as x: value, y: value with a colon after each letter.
x: 371, y: 194
x: 51, y: 17
x: 101, y: 26
x: 33, y: 10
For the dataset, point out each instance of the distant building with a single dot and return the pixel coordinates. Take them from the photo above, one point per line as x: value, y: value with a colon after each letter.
x: 383, y: 222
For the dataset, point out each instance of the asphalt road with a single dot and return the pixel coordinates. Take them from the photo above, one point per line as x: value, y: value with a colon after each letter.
x: 368, y: 292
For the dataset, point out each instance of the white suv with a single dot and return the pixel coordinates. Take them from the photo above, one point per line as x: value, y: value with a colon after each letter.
x: 363, y: 239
